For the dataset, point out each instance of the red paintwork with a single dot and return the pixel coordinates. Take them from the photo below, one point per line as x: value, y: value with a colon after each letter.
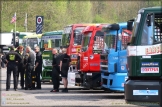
x: 126, y: 38
x: 85, y: 64
x: 74, y: 49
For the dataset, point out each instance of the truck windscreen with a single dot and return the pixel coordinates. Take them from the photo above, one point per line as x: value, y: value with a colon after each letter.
x: 86, y: 38
x: 110, y: 38
x: 78, y: 36
x: 66, y: 36
x: 32, y: 42
x: 135, y: 28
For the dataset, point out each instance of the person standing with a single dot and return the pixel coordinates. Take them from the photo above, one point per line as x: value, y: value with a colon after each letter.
x: 55, y: 71
x: 4, y: 60
x: 29, y: 62
x: 38, y: 66
x: 12, y: 60
x: 21, y: 67
x: 64, y: 67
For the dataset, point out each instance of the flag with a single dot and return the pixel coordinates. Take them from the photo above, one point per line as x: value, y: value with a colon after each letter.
x: 25, y: 23
x: 13, y: 18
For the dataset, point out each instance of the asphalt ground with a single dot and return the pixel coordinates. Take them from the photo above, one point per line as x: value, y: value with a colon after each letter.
x: 75, y: 97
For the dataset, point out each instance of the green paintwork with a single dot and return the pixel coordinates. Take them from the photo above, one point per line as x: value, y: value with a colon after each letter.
x: 134, y: 62
x: 47, y: 57
x: 59, y: 32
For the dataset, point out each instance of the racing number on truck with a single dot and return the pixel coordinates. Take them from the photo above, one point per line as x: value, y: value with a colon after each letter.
x: 78, y: 49
x: 45, y: 45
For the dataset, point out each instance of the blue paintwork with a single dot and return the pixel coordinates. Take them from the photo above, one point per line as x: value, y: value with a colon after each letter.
x: 117, y: 60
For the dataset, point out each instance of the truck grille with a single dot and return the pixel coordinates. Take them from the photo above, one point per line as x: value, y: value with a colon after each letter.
x: 104, y: 62
x: 103, y: 56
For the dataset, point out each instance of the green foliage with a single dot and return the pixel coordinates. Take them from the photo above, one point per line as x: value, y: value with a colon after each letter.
x: 58, y: 14
x: 98, y: 19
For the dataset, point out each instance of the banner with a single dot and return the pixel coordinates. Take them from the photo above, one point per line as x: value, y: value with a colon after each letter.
x: 39, y: 24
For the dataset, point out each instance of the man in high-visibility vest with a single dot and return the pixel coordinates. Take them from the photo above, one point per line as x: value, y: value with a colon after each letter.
x: 12, y: 59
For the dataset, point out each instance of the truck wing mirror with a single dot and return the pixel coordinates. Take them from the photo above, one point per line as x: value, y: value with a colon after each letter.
x: 130, y: 24
x: 114, y: 26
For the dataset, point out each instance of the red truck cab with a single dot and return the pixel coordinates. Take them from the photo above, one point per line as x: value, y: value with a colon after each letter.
x: 72, y: 39
x: 92, y: 47
x: 89, y: 61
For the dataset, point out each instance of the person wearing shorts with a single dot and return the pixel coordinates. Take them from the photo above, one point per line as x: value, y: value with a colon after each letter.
x: 64, y: 67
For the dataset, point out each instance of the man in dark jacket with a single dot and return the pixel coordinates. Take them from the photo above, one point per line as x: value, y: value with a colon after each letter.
x: 21, y: 67
x: 38, y: 67
x: 4, y: 59
x: 12, y: 59
x: 55, y: 71
x: 29, y: 62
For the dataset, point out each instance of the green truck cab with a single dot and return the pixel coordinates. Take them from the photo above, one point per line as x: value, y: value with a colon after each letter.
x: 22, y: 35
x: 144, y: 56
x: 49, y: 41
x: 32, y: 40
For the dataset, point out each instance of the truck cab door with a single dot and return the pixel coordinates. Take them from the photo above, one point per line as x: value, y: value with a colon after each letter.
x: 98, y: 46
x: 151, y: 44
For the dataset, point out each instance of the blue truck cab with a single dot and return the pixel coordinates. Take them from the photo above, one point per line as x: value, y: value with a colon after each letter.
x: 113, y: 62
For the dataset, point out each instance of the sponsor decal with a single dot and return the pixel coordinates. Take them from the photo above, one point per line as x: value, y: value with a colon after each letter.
x: 78, y: 49
x: 85, y: 58
x: 146, y: 56
x: 153, y: 50
x: 45, y: 55
x: 52, y: 37
x: 149, y: 69
x: 91, y: 56
x: 74, y: 50
x: 73, y: 62
x: 97, y: 51
x: 145, y: 92
x: 115, y: 58
x: 122, y: 84
x: 144, y: 50
x: 122, y: 67
x: 85, y: 65
x: 73, y: 80
x: 131, y: 50
x: 149, y: 64
x: 90, y: 74
x: 94, y: 64
x: 47, y: 62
